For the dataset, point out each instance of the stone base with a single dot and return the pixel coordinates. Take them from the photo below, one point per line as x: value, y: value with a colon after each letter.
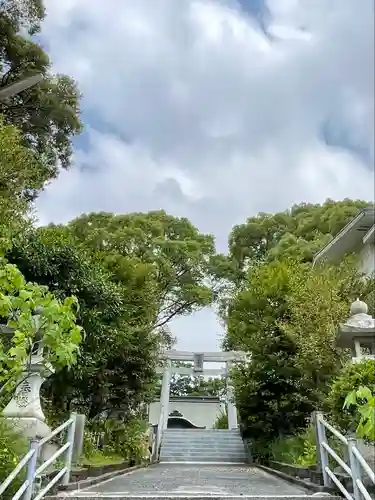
x: 33, y: 428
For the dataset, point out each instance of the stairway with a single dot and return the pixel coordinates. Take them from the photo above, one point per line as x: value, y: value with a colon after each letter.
x: 201, y: 445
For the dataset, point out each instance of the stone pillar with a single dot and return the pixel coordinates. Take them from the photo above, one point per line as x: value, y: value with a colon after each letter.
x: 231, y: 407
x: 164, y: 396
x: 24, y: 409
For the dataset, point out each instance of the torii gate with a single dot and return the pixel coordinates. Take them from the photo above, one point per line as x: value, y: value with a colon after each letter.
x: 198, y: 359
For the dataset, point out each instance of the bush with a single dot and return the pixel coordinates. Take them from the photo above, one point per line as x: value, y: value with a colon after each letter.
x: 112, y: 440
x: 13, y: 447
x: 300, y: 450
x: 296, y: 450
x: 351, y: 378
x: 221, y: 421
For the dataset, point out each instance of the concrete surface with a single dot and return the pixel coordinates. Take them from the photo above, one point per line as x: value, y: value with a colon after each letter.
x: 184, y: 481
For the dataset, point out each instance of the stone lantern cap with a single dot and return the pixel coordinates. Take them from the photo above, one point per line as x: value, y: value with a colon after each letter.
x: 359, y: 327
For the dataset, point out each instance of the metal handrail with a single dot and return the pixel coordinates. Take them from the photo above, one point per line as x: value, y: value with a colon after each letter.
x: 356, y: 460
x: 4, y: 485
x: 25, y: 491
x: 364, y: 464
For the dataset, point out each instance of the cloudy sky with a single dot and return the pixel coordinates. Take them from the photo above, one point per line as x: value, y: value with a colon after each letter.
x: 214, y: 110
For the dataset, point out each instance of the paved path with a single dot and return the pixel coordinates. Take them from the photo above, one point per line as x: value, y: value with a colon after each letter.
x: 184, y: 479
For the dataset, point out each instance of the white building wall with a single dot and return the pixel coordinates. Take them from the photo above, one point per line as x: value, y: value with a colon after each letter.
x: 366, y: 260
x: 199, y: 413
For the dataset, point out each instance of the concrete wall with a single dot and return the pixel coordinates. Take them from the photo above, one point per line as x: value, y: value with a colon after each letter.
x: 201, y: 413
x: 366, y: 259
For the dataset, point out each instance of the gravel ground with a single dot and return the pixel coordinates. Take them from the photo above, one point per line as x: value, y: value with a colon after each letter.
x: 181, y: 479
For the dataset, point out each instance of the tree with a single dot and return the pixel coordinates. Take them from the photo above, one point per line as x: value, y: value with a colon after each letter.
x: 269, y: 395
x: 286, y: 315
x: 196, y: 385
x: 48, y: 113
x: 295, y: 233
x: 20, y: 172
x: 185, y: 268
x: 116, y: 365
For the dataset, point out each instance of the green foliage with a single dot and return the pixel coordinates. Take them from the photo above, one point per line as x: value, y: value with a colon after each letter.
x: 268, y: 389
x: 35, y: 315
x: 48, y: 113
x: 296, y: 450
x: 13, y: 447
x: 221, y: 421
x: 351, y: 378
x: 181, y: 261
x: 18, y: 14
x: 318, y: 301
x: 132, y: 275
x: 297, y: 233
x: 20, y: 172
x: 195, y: 385
x: 118, y: 439
x: 285, y: 314
x: 116, y: 364
x: 300, y: 449
x: 364, y: 401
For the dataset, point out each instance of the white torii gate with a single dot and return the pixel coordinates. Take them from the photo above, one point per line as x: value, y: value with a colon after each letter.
x: 199, y: 359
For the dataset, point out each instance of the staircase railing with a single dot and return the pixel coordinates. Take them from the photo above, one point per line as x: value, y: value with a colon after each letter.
x: 355, y: 469
x: 30, y: 461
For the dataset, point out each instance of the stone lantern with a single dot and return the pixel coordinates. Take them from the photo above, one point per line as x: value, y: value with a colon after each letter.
x: 24, y: 409
x: 358, y: 332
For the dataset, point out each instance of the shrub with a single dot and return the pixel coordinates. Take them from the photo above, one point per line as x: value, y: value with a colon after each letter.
x: 296, y: 450
x: 301, y: 449
x: 364, y: 401
x: 115, y: 440
x: 13, y: 447
x: 126, y: 439
x: 351, y: 378
x: 221, y: 421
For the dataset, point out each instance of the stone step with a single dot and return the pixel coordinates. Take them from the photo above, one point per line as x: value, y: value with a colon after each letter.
x: 199, y: 435
x: 203, y: 444
x: 185, y: 439
x: 206, y: 454
x: 195, y: 496
x: 197, y: 432
x: 201, y: 460
x: 200, y: 449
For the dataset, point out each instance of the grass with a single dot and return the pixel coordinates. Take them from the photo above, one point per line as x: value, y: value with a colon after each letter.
x: 99, y: 458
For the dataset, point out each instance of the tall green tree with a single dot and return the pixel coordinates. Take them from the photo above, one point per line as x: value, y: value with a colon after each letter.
x: 196, y: 385
x: 298, y: 232
x: 186, y: 270
x: 269, y: 394
x: 20, y: 172
x: 48, y: 113
x: 117, y: 360
x: 285, y: 316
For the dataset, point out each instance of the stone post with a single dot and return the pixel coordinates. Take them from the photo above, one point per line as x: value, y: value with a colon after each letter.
x: 25, y: 406
x: 24, y: 409
x: 164, y: 396
x: 231, y: 407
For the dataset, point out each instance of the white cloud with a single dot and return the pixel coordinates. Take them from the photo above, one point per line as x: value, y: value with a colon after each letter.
x: 220, y: 120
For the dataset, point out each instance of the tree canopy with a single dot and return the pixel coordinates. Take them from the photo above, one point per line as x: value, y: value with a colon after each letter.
x: 48, y: 113
x: 182, y: 261
x: 298, y: 232
x: 285, y: 314
x: 116, y: 365
x: 20, y: 173
x: 131, y: 275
